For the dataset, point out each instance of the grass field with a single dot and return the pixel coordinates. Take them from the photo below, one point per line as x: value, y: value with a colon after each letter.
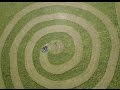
x: 82, y: 42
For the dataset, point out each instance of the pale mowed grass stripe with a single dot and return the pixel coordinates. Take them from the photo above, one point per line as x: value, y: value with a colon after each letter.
x: 70, y: 83
x: 48, y: 17
x: 59, y: 69
x: 112, y: 62
x: 84, y: 6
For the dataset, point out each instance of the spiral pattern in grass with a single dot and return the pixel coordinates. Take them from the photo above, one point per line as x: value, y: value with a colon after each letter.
x: 58, y: 45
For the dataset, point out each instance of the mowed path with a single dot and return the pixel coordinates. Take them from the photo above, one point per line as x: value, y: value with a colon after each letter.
x: 70, y: 83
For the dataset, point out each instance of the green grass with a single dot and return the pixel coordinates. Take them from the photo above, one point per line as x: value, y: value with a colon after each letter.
x: 13, y: 8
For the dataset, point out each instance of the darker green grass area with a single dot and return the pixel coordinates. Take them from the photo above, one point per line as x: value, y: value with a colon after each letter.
x: 115, y: 84
x: 77, y: 69
x: 55, y: 59
x: 8, y: 10
x: 26, y: 80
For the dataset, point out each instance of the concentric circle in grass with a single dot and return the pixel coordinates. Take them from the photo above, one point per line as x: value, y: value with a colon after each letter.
x: 108, y: 52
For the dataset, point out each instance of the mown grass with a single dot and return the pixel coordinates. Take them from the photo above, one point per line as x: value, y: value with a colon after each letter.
x: 12, y: 8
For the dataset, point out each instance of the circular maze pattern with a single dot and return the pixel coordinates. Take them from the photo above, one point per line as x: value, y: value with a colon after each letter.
x: 58, y: 45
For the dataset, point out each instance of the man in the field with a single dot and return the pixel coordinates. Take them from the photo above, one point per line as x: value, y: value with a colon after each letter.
x: 45, y: 49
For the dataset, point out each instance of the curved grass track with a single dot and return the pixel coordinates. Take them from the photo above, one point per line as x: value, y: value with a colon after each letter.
x: 87, y: 55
